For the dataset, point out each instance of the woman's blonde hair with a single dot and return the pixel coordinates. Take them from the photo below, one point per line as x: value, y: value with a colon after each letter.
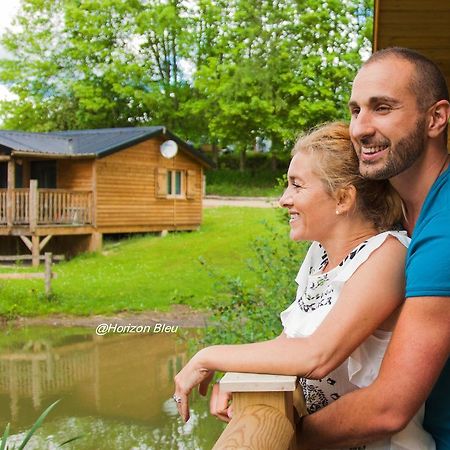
x: 338, y: 167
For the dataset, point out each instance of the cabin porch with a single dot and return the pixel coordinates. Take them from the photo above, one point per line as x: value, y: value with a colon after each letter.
x: 35, y: 216
x: 32, y: 208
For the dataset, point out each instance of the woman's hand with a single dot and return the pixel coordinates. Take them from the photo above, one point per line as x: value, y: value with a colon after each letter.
x: 219, y: 404
x: 190, y: 376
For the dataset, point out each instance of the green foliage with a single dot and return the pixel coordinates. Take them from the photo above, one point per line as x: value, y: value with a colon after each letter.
x: 30, y: 433
x: 249, y: 183
x: 250, y: 312
x: 215, y: 71
x: 256, y: 161
x: 258, y: 179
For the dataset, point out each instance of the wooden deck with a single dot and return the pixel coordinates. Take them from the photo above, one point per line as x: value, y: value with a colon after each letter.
x: 25, y: 210
x: 36, y: 215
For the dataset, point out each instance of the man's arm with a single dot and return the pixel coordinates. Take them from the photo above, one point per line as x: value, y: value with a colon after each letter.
x: 419, y: 348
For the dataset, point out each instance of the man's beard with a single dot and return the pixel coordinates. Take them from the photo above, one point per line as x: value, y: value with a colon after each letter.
x: 402, y: 157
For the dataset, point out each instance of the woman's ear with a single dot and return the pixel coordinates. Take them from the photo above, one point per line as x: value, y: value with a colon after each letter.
x: 345, y: 199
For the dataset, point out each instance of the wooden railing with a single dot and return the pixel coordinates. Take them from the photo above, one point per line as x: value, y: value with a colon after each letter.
x: 21, y: 202
x: 45, y: 207
x: 263, y: 412
x: 3, y: 202
x: 60, y: 206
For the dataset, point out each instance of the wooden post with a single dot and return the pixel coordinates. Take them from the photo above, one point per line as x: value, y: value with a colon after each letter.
x: 48, y: 274
x: 94, y: 194
x: 35, y: 250
x: 33, y: 212
x: 10, y: 193
x: 263, y: 412
x: 258, y: 427
x: 95, y: 242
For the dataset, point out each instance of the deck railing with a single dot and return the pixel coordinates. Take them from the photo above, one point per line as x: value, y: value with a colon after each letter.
x: 21, y: 202
x: 60, y: 206
x: 3, y: 202
x: 36, y: 207
x: 263, y: 412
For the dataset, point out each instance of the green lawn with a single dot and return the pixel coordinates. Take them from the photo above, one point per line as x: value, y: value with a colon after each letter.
x: 251, y: 183
x: 149, y: 272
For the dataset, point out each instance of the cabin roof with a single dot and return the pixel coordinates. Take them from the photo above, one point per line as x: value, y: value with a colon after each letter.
x: 94, y: 143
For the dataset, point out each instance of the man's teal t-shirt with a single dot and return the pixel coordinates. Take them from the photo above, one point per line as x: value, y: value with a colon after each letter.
x: 428, y: 274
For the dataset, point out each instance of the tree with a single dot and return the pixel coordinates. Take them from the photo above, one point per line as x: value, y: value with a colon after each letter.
x: 94, y: 63
x: 216, y: 71
x: 67, y: 66
x: 285, y: 66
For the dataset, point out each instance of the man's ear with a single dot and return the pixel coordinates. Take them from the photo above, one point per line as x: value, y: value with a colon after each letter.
x: 345, y: 199
x: 439, y: 117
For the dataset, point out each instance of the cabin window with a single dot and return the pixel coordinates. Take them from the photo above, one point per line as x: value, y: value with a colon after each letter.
x: 175, y: 183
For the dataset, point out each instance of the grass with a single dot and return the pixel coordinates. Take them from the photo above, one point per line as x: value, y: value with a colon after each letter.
x: 251, y: 183
x: 146, y: 272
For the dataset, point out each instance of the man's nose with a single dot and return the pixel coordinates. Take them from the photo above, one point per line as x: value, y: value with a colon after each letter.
x: 361, y: 125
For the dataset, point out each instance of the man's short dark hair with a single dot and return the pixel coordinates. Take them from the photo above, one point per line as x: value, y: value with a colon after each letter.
x: 428, y: 83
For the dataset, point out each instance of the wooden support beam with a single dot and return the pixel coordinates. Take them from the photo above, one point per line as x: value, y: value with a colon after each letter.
x: 10, y: 193
x: 44, y: 242
x: 5, y: 158
x: 27, y: 242
x: 33, y: 205
x: 48, y: 274
x: 94, y: 195
x: 35, y: 251
x: 95, y: 242
x: 29, y: 257
x: 21, y: 276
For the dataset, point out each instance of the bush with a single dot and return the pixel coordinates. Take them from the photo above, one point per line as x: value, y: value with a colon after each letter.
x: 248, y: 183
x: 243, y: 313
x: 254, y: 161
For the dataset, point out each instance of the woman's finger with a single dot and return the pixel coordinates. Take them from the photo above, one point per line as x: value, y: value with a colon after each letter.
x: 219, y: 403
x: 182, y: 402
x: 203, y: 387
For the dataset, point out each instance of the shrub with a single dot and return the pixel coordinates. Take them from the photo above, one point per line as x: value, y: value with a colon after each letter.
x: 243, y: 313
x: 254, y: 161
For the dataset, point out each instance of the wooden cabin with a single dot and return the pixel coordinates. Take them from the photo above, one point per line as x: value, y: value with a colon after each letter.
x: 65, y: 190
x: 416, y: 24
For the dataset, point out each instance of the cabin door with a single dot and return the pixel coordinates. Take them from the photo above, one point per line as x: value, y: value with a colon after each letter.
x: 44, y: 172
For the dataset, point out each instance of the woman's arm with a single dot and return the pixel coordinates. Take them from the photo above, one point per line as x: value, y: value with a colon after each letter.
x: 371, y: 295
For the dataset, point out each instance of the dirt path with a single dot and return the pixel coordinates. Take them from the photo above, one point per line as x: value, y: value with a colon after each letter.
x: 211, y: 201
x: 180, y: 315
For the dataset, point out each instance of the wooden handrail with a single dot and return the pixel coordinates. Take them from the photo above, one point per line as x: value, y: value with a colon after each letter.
x: 263, y: 412
x: 35, y: 207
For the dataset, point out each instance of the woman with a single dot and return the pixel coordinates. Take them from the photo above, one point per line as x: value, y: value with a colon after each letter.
x: 350, y: 285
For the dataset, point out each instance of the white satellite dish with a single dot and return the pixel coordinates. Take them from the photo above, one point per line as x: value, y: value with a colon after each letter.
x: 169, y: 149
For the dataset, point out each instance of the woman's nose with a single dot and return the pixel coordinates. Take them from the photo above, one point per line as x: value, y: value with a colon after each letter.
x: 286, y: 199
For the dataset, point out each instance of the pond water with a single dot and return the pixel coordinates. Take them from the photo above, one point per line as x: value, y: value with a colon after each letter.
x: 114, y: 390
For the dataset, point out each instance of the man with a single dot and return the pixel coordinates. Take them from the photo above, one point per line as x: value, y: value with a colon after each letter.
x: 399, y: 117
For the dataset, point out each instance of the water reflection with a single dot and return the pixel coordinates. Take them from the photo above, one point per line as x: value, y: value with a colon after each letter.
x: 115, y: 390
